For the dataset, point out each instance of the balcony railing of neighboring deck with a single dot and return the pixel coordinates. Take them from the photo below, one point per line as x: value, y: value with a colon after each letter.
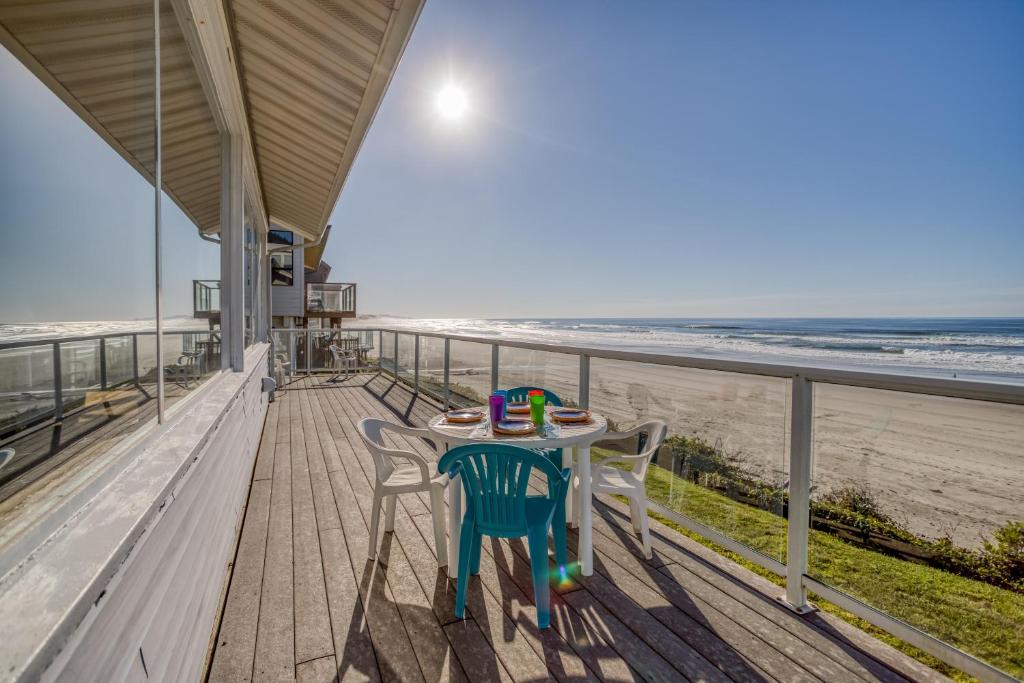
x: 739, y: 469
x: 331, y: 299
x: 205, y: 298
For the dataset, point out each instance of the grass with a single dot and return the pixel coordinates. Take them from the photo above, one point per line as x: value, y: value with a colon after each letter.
x: 976, y: 617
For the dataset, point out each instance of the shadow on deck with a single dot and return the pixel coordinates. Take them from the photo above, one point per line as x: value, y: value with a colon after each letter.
x: 304, y: 602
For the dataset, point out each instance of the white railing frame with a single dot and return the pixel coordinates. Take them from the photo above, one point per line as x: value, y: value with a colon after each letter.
x: 802, y: 380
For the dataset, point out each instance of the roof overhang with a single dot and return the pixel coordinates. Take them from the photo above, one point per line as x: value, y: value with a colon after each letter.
x: 298, y: 81
x: 314, y: 75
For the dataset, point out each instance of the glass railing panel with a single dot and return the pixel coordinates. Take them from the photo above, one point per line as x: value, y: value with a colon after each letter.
x: 556, y: 372
x: 289, y: 347
x: 917, y: 510
x: 432, y: 367
x: 320, y: 343
x: 470, y: 374
x: 725, y: 462
x: 407, y: 357
x: 80, y: 371
x: 189, y: 359
x: 387, y: 353
x: 26, y: 387
x: 119, y: 359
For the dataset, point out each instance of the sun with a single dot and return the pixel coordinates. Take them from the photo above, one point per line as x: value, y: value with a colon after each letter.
x: 452, y: 102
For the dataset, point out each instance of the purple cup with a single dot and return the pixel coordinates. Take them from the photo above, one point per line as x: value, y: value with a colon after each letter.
x: 497, y: 408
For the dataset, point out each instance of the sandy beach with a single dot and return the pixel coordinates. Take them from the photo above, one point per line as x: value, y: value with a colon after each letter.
x: 941, y: 466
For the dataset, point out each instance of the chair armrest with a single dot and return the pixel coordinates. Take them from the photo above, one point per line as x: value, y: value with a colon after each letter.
x: 633, y: 461
x: 619, y: 436
x: 417, y: 432
x: 415, y: 458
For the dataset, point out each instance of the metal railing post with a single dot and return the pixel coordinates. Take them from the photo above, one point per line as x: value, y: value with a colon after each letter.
x: 395, y: 357
x: 416, y: 365
x: 58, y: 384
x: 447, y: 372
x: 380, y: 351
x: 103, y: 364
x: 799, y: 493
x: 584, y: 381
x: 135, y: 359
x: 494, y: 367
x: 309, y: 351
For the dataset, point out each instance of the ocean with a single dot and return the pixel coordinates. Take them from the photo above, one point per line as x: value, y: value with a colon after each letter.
x: 976, y: 348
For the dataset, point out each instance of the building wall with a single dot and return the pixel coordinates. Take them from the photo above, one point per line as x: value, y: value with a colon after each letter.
x: 157, y: 616
x: 291, y: 301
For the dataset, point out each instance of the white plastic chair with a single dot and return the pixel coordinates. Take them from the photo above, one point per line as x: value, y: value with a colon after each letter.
x: 393, y: 479
x: 628, y: 482
x: 342, y: 359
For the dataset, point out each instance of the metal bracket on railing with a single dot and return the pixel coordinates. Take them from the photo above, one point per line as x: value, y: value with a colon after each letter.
x: 584, y: 381
x: 103, y: 364
x: 58, y: 384
x: 802, y: 414
x: 447, y: 372
x: 416, y: 364
x: 494, y: 367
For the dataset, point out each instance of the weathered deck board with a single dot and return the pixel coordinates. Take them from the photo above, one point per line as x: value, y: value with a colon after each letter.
x: 305, y: 602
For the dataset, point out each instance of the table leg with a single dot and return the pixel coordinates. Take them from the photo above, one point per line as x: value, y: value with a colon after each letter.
x: 454, y: 525
x: 586, y: 548
x: 570, y: 494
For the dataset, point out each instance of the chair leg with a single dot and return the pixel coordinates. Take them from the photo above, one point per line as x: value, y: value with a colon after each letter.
x: 374, y: 523
x: 634, y: 513
x: 559, y: 534
x: 437, y: 513
x: 570, y: 493
x: 645, y: 531
x: 465, y: 548
x: 474, y: 558
x: 389, y: 520
x: 537, y: 538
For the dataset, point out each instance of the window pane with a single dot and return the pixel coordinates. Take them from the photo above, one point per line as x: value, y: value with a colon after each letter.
x: 191, y: 153
x: 77, y: 346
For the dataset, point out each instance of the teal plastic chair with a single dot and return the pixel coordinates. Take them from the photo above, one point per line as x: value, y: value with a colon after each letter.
x: 495, y: 479
x: 522, y: 394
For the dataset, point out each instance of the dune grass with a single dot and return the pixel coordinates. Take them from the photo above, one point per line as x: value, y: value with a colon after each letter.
x: 976, y: 617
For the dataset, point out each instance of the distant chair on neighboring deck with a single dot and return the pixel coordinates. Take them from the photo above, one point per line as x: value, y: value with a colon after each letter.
x: 628, y: 481
x: 186, y: 370
x: 342, y: 360
x: 393, y: 480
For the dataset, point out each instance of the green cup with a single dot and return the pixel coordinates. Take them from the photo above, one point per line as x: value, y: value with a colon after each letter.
x: 537, y: 410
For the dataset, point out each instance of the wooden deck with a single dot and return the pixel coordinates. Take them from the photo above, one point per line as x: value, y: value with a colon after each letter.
x: 305, y: 603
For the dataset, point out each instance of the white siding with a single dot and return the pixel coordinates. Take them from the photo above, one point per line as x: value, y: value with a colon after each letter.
x: 154, y: 614
x: 291, y: 301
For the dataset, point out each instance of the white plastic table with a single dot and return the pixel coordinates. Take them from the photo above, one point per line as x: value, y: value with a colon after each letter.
x: 579, y: 436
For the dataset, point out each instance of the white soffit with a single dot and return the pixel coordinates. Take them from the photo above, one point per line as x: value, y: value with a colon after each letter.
x: 97, y: 56
x: 314, y: 73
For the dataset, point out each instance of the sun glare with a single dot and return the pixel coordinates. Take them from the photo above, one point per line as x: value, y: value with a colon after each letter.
x: 452, y: 102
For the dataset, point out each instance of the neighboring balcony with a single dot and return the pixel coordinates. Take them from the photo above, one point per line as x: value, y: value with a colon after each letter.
x: 331, y: 299
x: 206, y: 299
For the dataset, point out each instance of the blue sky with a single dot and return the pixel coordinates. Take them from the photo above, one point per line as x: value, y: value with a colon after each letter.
x: 654, y: 159
x: 697, y: 158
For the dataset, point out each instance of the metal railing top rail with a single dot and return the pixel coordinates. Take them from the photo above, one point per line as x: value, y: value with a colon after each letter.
x: 49, y: 341
x: 998, y: 392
